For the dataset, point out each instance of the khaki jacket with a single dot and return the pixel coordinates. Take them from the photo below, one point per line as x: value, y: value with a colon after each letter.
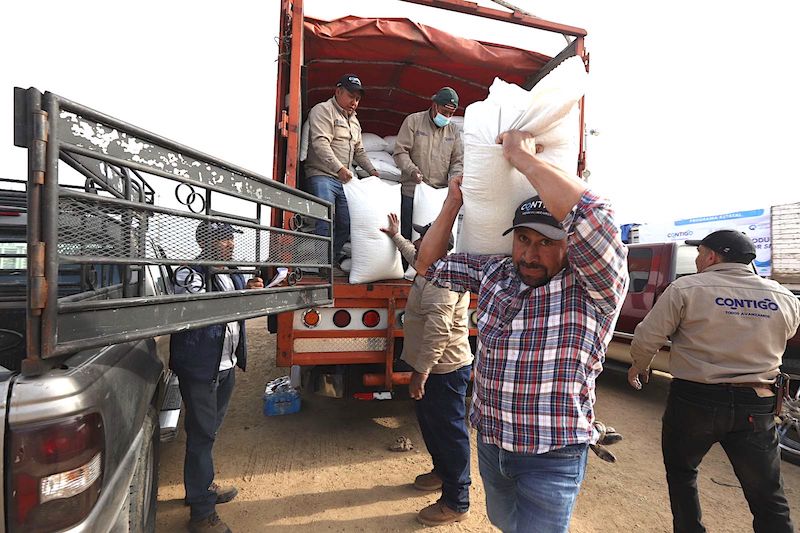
x: 727, y: 325
x: 436, y: 335
x: 437, y: 153
x: 334, y: 141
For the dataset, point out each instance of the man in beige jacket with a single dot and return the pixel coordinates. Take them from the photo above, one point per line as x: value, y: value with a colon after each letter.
x: 334, y: 143
x: 428, y: 149
x: 729, y: 329
x: 436, y: 346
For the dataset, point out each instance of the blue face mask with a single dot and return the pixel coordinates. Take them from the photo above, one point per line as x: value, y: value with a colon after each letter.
x: 441, y: 120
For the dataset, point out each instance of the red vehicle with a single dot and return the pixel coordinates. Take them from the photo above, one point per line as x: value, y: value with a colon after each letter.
x: 358, y: 341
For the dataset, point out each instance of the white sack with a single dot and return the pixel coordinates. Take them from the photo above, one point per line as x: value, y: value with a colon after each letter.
x: 374, y: 255
x: 304, y: 141
x: 387, y: 171
x: 492, y: 188
x: 381, y: 156
x: 373, y: 142
x: 390, y: 142
x: 428, y: 202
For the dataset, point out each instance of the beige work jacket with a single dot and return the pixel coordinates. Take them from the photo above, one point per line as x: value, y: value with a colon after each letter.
x: 421, y: 145
x: 727, y: 325
x: 334, y: 141
x: 436, y: 334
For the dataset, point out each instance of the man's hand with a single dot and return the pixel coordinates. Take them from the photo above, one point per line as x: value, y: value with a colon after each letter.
x: 417, y: 386
x: 393, y: 227
x: 344, y: 175
x: 520, y: 148
x: 637, y: 377
x: 255, y: 283
x: 375, y: 173
x: 454, y: 191
x: 417, y: 176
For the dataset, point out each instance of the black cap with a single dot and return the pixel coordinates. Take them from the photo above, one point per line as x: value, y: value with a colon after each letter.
x: 534, y: 215
x: 351, y: 82
x: 422, y: 230
x: 728, y: 242
x: 214, y: 231
x: 446, y: 96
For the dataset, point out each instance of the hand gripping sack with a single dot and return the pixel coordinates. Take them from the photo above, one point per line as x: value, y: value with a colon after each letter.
x: 374, y: 255
x: 428, y: 202
x: 492, y: 188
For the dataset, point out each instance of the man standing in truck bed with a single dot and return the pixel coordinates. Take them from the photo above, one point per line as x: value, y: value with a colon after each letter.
x: 545, y: 318
x: 334, y: 142
x: 729, y: 329
x: 428, y: 149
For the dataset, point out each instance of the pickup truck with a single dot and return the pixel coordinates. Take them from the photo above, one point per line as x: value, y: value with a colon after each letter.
x: 652, y: 267
x: 80, y: 450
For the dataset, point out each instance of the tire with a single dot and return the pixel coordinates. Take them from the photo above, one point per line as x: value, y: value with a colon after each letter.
x: 143, y: 492
x: 789, y: 426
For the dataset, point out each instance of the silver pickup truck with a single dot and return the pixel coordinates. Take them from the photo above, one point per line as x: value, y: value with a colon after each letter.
x: 82, y: 433
x: 89, y: 246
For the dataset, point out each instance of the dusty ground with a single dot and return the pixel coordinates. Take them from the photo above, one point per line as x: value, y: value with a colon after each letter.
x: 327, y: 468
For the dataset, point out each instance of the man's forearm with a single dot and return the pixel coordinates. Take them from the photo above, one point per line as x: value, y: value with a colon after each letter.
x: 559, y: 191
x: 434, y: 244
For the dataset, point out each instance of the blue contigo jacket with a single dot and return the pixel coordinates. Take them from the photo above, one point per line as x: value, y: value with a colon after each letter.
x: 196, y: 354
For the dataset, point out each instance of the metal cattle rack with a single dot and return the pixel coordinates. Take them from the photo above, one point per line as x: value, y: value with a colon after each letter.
x: 118, y: 221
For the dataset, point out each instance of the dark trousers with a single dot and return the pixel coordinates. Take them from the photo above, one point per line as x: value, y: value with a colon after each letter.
x: 206, y: 404
x: 696, y: 417
x: 406, y: 212
x: 441, y: 415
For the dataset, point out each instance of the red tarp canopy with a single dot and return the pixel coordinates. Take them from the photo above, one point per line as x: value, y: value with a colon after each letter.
x: 402, y: 64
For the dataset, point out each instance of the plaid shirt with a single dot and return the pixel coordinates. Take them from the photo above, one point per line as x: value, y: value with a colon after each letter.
x: 541, y: 349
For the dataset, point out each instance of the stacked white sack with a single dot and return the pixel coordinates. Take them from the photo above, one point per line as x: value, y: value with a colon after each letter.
x: 374, y: 255
x: 491, y: 187
x: 428, y: 202
x: 379, y: 150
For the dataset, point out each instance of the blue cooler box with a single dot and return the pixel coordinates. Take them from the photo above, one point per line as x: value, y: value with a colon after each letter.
x: 280, y: 398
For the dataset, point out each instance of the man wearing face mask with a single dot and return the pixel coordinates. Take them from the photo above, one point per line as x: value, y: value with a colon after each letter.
x: 428, y: 150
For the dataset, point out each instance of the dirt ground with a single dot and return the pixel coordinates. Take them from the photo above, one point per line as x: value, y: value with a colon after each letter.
x: 327, y: 468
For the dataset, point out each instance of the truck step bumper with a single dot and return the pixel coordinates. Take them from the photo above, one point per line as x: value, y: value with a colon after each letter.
x: 170, y: 410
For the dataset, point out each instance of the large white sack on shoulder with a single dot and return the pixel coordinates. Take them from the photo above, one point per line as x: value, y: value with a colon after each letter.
x: 304, y: 141
x: 372, y: 142
x: 374, y: 255
x: 554, y: 97
x: 428, y: 202
x: 381, y: 156
x: 390, y: 142
x: 492, y: 190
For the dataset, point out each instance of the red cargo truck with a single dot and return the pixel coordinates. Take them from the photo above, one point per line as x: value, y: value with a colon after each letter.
x: 355, y: 344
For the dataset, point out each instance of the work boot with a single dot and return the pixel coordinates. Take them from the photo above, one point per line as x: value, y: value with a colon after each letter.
x: 437, y: 514
x: 224, y: 494
x: 428, y: 482
x: 210, y: 524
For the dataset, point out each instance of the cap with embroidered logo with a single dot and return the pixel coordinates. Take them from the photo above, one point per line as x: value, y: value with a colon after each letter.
x: 351, y: 82
x: 534, y: 215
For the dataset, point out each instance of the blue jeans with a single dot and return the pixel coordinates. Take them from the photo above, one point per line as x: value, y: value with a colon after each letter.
x: 699, y: 415
x: 531, y: 493
x: 441, y: 414
x: 206, y: 404
x: 331, y: 190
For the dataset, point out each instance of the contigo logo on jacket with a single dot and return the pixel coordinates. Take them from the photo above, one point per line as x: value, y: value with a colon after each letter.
x: 747, y: 307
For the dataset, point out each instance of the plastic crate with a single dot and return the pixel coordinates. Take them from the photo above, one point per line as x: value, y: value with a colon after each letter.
x: 280, y: 398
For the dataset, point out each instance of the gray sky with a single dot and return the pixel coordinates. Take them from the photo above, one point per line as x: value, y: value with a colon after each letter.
x: 695, y: 101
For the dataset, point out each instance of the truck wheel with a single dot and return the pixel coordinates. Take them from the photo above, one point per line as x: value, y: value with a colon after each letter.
x: 143, y: 493
x: 789, y: 426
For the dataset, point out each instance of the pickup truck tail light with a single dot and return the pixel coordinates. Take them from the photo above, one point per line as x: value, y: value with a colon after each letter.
x: 56, y: 472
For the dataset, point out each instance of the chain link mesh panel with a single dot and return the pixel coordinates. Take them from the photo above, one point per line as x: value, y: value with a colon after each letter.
x: 95, y: 230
